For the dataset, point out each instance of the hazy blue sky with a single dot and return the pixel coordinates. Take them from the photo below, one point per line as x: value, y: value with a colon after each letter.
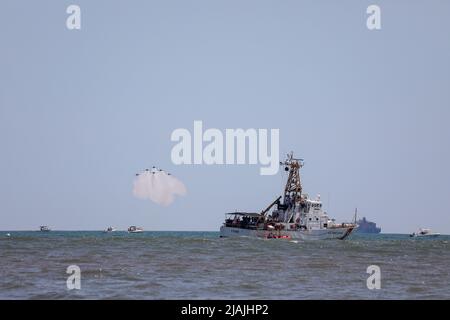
x: 82, y: 111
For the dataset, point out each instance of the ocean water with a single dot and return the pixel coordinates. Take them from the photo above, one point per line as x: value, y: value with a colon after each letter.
x: 200, y: 265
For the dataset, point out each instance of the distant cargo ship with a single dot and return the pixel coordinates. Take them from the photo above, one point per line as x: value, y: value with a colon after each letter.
x: 366, y: 226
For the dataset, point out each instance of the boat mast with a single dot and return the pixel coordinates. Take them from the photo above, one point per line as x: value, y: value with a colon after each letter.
x: 293, y: 189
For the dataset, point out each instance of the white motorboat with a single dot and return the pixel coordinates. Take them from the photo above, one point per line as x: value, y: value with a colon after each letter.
x: 424, y: 233
x: 134, y: 229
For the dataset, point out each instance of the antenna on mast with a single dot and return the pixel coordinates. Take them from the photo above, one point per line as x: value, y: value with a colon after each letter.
x: 293, y: 188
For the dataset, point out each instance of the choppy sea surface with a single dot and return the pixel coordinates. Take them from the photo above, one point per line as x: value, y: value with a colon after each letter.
x: 200, y: 265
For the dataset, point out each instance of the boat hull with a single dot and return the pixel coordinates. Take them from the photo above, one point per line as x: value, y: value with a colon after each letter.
x: 426, y: 236
x: 321, y: 234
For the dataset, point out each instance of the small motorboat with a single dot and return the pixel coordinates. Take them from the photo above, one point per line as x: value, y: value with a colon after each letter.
x: 44, y: 229
x: 134, y: 229
x: 110, y: 229
x: 424, y: 233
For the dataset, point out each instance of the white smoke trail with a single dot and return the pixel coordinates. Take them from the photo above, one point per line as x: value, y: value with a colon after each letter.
x: 158, y: 186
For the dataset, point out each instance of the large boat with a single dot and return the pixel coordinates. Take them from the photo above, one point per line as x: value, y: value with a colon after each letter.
x: 366, y: 226
x: 295, y: 216
x: 424, y: 233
